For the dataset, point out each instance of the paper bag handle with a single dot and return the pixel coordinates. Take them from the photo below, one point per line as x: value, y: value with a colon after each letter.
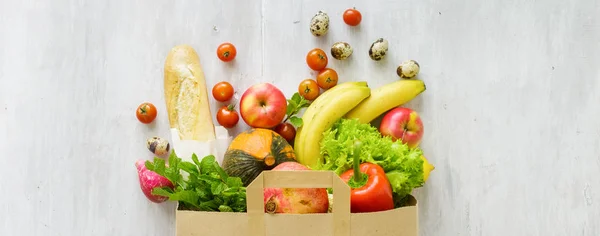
x: 298, y: 179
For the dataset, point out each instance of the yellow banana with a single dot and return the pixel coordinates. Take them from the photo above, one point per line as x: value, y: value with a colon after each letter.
x: 315, y: 106
x: 329, y: 111
x: 385, y: 98
x: 311, y: 110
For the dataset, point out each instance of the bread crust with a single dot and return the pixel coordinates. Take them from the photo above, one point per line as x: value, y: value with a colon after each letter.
x: 186, y: 95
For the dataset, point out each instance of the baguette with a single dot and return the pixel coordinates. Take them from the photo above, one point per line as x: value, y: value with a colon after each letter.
x: 186, y: 95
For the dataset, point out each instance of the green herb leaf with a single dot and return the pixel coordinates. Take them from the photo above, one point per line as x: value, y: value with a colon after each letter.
x: 165, y: 192
x: 195, y: 159
x: 206, y: 165
x: 173, y: 158
x: 225, y: 208
x: 233, y: 182
x: 239, y: 205
x: 217, y: 188
x: 207, y: 187
x: 150, y: 166
x: 208, y: 178
x: 172, y: 172
x: 157, y: 166
x: 296, y: 121
x: 295, y: 104
x: 297, y: 98
x: 189, y: 167
x: 204, y: 194
x: 220, y: 171
x: 209, y: 206
x: 303, y: 103
x: 291, y: 107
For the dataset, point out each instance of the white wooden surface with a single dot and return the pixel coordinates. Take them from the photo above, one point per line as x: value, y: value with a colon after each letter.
x: 511, y: 107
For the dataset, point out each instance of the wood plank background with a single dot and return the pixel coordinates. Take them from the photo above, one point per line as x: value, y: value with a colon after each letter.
x: 510, y: 112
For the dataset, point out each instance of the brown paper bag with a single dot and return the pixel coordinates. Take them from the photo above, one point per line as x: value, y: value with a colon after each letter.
x: 397, y: 222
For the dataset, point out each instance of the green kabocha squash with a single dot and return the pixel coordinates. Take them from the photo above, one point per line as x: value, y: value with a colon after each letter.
x: 256, y: 150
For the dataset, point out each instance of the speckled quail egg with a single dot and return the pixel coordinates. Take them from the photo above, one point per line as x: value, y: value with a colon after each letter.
x: 408, y: 69
x: 378, y: 49
x: 158, y: 145
x: 319, y: 25
x: 341, y: 50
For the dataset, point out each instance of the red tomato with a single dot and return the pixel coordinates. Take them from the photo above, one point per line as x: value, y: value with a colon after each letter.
x: 146, y: 112
x: 352, y: 17
x: 327, y: 78
x: 287, y: 131
x: 316, y: 59
x: 308, y: 89
x: 227, y: 116
x: 222, y: 91
x: 226, y: 52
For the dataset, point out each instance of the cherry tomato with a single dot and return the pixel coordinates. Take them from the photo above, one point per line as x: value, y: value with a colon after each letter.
x: 352, y: 17
x: 146, y: 112
x: 226, y: 52
x: 227, y: 116
x: 327, y: 78
x: 308, y: 89
x: 222, y: 91
x: 287, y: 131
x: 316, y: 59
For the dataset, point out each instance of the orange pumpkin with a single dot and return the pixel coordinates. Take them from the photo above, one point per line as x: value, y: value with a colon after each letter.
x: 256, y: 150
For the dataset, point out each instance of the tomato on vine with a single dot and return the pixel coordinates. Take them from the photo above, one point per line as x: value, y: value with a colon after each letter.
x: 226, y: 52
x: 316, y: 59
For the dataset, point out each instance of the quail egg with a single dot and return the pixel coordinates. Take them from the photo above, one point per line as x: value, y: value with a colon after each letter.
x: 319, y: 25
x: 341, y: 50
x: 408, y: 69
x: 158, y: 146
x: 378, y: 49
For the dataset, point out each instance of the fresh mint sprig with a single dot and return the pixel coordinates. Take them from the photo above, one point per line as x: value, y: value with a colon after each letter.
x: 207, y: 187
x: 295, y: 104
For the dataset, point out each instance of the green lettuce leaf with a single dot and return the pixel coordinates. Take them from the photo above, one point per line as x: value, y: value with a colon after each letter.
x: 403, y: 165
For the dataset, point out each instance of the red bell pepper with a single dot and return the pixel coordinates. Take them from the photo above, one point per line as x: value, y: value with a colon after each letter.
x: 371, y: 190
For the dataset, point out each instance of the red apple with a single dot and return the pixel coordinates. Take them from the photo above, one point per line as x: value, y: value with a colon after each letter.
x: 263, y: 106
x: 404, y: 124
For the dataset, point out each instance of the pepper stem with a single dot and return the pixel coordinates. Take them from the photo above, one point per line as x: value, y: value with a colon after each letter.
x: 358, y: 179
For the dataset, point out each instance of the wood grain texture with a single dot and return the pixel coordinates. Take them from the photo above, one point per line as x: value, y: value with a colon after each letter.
x: 510, y: 110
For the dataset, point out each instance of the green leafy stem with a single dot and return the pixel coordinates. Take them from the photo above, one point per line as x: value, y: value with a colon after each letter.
x: 206, y: 188
x: 295, y: 105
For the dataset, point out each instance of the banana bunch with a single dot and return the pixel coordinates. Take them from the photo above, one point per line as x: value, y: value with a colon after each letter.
x: 351, y: 100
